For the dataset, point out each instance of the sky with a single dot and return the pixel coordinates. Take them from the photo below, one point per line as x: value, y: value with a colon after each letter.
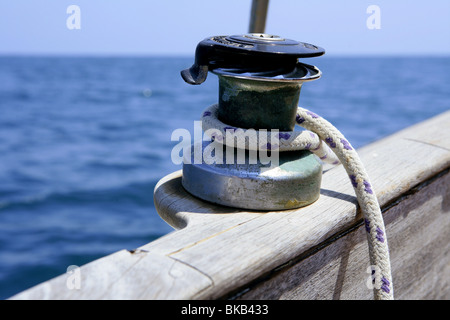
x: 174, y: 27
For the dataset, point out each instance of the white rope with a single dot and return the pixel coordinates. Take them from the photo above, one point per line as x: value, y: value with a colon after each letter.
x: 288, y: 141
x: 320, y: 130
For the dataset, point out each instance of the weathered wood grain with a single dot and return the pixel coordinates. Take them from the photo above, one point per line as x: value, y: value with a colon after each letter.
x: 219, y: 251
x: 125, y: 275
x: 419, y: 242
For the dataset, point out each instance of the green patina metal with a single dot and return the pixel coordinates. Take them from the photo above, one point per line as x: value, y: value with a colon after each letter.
x: 258, y: 104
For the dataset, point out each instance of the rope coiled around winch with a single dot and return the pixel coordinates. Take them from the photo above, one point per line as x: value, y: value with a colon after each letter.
x: 335, y: 150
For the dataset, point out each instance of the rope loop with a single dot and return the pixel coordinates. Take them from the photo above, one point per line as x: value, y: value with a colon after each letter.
x: 329, y: 144
x: 287, y: 140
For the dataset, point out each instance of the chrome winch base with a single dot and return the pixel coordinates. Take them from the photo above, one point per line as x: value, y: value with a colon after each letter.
x: 294, y: 183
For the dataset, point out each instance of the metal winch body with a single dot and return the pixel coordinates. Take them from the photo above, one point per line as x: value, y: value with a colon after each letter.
x: 260, y: 80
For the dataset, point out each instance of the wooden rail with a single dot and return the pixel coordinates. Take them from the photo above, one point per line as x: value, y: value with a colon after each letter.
x: 316, y: 252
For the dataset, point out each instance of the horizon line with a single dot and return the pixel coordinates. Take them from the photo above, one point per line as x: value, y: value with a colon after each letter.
x: 184, y: 55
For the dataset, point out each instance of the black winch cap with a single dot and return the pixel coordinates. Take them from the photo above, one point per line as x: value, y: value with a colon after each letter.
x: 255, y: 51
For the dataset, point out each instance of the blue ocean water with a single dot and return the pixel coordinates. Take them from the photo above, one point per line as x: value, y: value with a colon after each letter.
x: 83, y: 142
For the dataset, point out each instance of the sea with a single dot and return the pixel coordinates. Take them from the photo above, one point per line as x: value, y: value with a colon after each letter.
x: 84, y: 140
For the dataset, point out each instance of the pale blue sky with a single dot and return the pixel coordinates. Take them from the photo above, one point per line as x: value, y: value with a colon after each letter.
x: 161, y: 27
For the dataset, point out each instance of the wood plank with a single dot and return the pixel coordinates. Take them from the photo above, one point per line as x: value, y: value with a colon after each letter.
x: 219, y: 249
x: 419, y: 243
x: 125, y: 275
x: 277, y: 237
